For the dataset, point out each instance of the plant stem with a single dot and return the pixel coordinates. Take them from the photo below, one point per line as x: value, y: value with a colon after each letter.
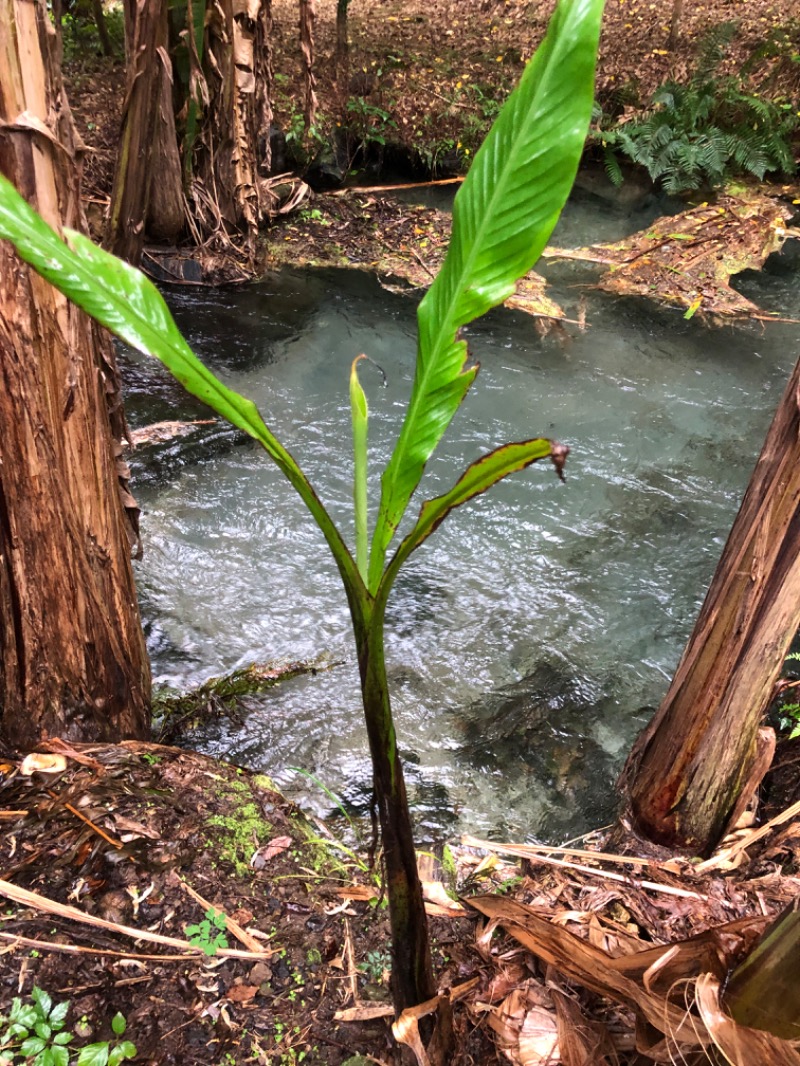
x: 412, y: 972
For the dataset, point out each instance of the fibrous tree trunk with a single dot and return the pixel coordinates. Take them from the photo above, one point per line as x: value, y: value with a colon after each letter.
x: 137, y: 164
x: 686, y: 775
x: 236, y: 61
x: 307, y: 21
x: 165, y: 209
x: 195, y: 140
x: 72, y: 654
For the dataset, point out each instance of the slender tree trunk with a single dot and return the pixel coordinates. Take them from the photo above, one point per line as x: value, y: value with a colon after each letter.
x: 412, y: 972
x: 675, y: 24
x: 688, y: 769
x: 102, y: 29
x: 72, y: 655
x: 307, y: 20
x: 342, y: 53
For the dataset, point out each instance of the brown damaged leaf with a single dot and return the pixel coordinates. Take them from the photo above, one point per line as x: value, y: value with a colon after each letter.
x: 526, y: 1026
x: 595, y: 970
x: 269, y: 851
x: 688, y: 259
x: 656, y: 984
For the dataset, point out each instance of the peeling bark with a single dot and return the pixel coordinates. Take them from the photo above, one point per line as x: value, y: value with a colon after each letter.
x: 204, y: 171
x: 165, y: 214
x: 146, y: 33
x: 307, y: 20
x: 689, y: 767
x: 227, y: 195
x: 72, y: 655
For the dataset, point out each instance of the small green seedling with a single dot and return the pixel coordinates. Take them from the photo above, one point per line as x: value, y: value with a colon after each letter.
x: 210, y: 933
x: 35, y: 1033
x: 109, y: 1052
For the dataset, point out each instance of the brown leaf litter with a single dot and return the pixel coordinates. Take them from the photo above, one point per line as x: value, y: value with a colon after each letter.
x: 688, y: 259
x: 105, y: 864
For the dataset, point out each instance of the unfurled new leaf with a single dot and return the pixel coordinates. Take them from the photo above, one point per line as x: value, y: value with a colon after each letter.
x: 359, y: 413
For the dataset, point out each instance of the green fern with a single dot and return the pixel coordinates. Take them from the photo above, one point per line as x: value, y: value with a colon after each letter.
x: 703, y: 132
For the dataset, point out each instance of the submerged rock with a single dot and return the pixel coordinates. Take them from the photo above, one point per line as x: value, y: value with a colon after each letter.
x: 542, y: 722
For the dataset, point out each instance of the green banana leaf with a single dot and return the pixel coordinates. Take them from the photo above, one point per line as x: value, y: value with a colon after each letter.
x: 502, y: 218
x: 123, y: 300
x: 477, y: 478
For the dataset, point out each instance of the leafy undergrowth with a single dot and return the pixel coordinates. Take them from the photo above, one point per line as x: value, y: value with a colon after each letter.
x: 164, y: 902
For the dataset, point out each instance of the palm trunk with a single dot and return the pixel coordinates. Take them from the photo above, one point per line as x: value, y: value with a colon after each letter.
x: 686, y: 775
x: 236, y: 62
x: 72, y: 655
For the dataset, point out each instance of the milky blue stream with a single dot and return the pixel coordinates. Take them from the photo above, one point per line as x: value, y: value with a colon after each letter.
x: 526, y: 637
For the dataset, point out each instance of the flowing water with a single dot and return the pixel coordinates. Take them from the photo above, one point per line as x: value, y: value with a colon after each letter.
x: 529, y: 637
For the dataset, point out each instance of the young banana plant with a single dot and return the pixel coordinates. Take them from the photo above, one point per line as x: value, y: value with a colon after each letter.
x: 502, y: 218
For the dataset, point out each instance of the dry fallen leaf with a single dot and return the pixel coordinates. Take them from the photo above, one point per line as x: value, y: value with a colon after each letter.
x: 241, y: 993
x: 269, y: 851
x: 42, y: 763
x: 364, y: 1013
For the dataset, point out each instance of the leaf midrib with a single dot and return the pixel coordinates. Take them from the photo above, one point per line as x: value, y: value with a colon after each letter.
x: 447, y: 328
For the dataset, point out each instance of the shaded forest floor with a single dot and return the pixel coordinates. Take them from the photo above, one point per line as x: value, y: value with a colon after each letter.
x: 426, y: 79
x: 189, y: 896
